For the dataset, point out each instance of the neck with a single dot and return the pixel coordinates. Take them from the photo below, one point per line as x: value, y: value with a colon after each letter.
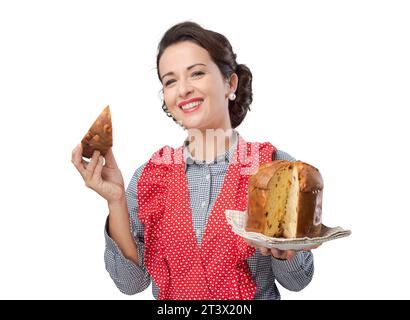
x: 208, y: 144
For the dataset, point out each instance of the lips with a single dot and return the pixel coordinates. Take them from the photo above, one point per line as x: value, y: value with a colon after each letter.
x: 191, y: 107
x: 189, y: 101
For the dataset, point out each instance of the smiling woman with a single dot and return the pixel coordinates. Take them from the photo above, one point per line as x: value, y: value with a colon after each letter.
x: 195, y: 93
x: 169, y: 226
x: 206, y: 59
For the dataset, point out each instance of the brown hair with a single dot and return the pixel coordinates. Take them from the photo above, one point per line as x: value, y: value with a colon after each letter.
x: 221, y: 53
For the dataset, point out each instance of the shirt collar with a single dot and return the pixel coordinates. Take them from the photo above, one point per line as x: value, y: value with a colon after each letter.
x: 189, y: 159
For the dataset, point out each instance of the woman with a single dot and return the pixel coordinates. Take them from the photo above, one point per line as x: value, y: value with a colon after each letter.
x: 169, y: 225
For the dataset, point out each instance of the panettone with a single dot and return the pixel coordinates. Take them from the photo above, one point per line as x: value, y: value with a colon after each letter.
x: 285, y: 200
x: 99, y: 136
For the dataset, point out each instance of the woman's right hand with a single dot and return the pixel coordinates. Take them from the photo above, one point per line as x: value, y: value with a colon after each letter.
x: 105, y: 179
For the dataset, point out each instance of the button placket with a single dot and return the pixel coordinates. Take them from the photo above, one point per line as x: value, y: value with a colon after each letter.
x: 198, y: 232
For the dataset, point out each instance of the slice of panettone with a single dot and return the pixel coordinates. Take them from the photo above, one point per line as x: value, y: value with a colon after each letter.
x: 99, y: 136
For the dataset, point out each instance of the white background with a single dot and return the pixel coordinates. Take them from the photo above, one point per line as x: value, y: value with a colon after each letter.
x: 331, y: 87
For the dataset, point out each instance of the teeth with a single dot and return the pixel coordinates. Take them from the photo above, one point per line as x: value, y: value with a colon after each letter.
x: 191, y: 105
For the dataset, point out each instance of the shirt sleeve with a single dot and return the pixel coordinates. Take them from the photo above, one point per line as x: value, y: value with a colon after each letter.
x: 129, y: 277
x: 282, y: 155
x: 294, y: 274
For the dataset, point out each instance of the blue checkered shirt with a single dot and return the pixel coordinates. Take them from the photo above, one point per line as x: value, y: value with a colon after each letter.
x: 204, y: 183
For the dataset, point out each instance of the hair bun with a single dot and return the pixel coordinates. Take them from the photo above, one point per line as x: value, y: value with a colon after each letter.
x: 240, y: 106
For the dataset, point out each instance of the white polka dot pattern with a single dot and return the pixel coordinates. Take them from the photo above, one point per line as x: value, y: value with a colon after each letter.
x: 217, y: 268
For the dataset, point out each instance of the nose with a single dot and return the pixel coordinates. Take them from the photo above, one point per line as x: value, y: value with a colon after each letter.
x: 185, y: 88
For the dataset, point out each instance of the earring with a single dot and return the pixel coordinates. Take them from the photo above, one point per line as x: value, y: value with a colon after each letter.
x: 232, y: 96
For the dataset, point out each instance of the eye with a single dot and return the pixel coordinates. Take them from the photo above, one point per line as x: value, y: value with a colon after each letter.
x: 167, y: 83
x: 197, y: 73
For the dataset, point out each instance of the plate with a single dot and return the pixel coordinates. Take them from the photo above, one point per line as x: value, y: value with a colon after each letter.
x: 237, y: 219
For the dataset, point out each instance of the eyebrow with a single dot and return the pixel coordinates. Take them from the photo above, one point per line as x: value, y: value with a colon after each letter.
x: 189, y: 68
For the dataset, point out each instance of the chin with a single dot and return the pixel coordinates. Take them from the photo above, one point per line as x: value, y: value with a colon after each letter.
x: 197, y: 122
x: 193, y: 125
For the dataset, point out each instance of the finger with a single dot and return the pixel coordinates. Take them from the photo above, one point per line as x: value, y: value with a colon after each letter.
x: 290, y: 254
x: 91, y: 167
x: 282, y: 254
x: 264, y: 251
x: 276, y: 252
x: 84, y: 163
x: 98, y: 168
x: 311, y: 248
x: 77, y: 160
x: 109, y: 159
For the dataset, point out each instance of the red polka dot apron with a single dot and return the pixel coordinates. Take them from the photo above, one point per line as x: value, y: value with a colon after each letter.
x: 217, y: 269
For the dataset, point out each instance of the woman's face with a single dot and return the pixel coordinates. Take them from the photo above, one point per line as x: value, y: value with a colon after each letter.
x: 195, y: 91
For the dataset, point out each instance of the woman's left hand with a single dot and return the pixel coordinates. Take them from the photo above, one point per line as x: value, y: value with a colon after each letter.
x: 279, y: 254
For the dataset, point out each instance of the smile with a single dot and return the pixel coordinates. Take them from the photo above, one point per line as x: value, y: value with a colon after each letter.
x: 190, y: 107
